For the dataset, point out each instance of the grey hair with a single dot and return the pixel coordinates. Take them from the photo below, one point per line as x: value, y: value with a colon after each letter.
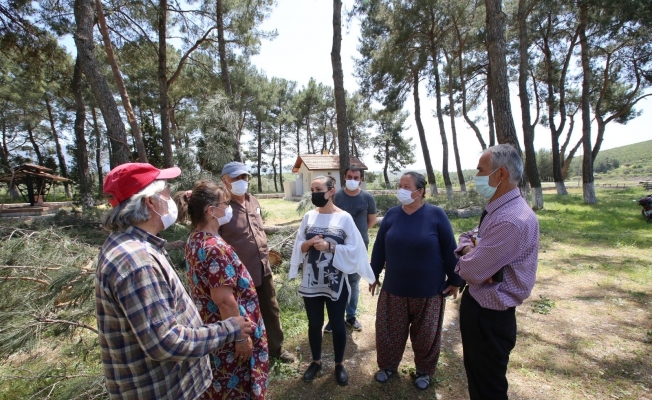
x: 419, y: 181
x: 328, y: 180
x: 506, y: 155
x: 133, y: 210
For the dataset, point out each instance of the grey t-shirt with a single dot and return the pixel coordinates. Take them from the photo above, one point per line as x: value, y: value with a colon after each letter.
x: 359, y: 206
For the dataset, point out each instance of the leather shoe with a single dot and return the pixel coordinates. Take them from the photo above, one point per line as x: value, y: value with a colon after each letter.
x: 286, y: 357
x: 341, y: 376
x: 311, y: 372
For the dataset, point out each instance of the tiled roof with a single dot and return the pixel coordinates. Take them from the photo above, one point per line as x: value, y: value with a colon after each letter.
x: 322, y: 162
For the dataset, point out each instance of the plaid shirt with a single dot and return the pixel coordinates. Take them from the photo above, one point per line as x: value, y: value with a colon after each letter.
x: 153, y: 342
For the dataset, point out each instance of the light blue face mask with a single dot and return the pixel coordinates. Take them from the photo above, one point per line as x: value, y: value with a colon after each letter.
x: 482, y: 186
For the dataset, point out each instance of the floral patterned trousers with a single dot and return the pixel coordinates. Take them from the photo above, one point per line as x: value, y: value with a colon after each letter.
x: 420, y: 318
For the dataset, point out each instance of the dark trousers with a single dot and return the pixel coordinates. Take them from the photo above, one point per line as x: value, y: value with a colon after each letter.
x: 488, y: 336
x: 271, y: 314
x: 315, y: 313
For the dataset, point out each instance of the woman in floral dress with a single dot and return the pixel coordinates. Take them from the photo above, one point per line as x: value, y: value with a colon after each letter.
x: 222, y: 287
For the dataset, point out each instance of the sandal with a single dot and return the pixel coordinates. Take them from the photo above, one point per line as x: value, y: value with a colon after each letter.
x: 422, y: 382
x: 383, y: 375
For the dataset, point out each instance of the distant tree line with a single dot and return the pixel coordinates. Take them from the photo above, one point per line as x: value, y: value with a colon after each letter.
x: 173, y: 83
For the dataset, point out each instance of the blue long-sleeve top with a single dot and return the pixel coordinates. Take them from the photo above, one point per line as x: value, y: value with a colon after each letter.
x: 417, y: 252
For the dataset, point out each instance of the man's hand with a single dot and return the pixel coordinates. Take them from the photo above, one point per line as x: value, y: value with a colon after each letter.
x: 466, y: 250
x: 372, y: 287
x: 243, y: 350
x: 245, y: 325
x: 451, y: 290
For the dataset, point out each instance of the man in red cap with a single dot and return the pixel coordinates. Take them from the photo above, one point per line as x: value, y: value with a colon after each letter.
x: 153, y: 342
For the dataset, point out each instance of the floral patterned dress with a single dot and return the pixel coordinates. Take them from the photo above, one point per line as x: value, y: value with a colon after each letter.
x: 210, y: 263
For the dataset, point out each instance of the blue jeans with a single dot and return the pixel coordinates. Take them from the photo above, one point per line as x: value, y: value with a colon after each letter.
x: 352, y: 305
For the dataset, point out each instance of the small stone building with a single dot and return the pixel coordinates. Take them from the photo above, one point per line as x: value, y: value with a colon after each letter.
x: 309, y: 166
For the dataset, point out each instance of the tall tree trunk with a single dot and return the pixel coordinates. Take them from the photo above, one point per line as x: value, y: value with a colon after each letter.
x: 528, y: 126
x: 98, y: 152
x: 386, y: 166
x: 274, y: 165
x: 224, y: 68
x: 35, y: 146
x: 587, y: 163
x: 440, y: 119
x: 13, y: 189
x: 490, y: 117
x: 221, y: 49
x: 569, y: 158
x: 260, y: 155
x: 468, y: 120
x: 81, y: 146
x: 60, y: 157
x: 309, y: 136
x: 84, y: 18
x: 280, y: 155
x: 340, y: 96
x: 496, y: 51
x: 117, y: 75
x: 422, y: 133
x: 298, y: 140
x: 456, y: 152
x: 163, y: 84
x: 4, y: 150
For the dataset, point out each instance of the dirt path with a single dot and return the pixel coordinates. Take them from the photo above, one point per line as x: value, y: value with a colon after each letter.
x: 360, y: 363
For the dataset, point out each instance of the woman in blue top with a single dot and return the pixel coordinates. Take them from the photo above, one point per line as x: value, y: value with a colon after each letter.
x: 415, y: 245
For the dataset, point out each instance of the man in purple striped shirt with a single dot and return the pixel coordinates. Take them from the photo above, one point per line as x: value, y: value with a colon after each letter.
x: 498, y: 260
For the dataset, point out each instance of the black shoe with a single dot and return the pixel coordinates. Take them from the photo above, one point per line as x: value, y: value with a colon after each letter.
x: 341, y: 376
x: 311, y: 372
x: 327, y: 328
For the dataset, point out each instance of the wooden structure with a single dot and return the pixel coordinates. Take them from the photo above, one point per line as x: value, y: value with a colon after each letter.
x: 308, y: 166
x: 647, y: 185
x: 33, y: 182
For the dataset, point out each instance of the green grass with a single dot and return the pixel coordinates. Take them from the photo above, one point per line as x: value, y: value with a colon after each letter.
x: 583, y: 333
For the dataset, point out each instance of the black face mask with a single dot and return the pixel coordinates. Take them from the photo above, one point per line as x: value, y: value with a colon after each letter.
x: 318, y: 199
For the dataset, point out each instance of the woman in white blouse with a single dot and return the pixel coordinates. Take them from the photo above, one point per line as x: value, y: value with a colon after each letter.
x: 329, y: 247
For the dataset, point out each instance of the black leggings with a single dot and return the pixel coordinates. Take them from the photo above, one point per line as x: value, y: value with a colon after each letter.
x: 315, y: 312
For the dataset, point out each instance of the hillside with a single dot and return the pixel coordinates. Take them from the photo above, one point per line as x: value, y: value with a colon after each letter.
x: 634, y: 162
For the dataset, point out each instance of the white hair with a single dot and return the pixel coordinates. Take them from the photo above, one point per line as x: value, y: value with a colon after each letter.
x: 506, y: 155
x: 133, y: 210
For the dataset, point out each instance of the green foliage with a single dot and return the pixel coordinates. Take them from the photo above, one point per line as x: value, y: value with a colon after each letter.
x: 543, y: 305
x: 634, y: 158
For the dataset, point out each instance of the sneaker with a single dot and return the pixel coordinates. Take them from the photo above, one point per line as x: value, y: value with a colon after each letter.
x: 327, y: 328
x: 354, y: 324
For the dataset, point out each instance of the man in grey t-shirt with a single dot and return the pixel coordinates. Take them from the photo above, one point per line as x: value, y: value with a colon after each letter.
x: 362, y: 207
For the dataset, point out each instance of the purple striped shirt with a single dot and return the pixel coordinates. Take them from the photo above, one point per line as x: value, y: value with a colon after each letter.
x: 508, y: 236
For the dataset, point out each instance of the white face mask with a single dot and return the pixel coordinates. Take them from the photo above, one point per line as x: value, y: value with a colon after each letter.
x: 352, y: 185
x: 228, y: 214
x: 483, y: 188
x: 239, y: 188
x: 171, y: 217
x: 405, y: 196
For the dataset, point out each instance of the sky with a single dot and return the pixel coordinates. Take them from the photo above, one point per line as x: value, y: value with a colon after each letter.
x: 302, y: 50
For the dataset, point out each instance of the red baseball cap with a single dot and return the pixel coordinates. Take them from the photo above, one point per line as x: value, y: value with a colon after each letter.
x: 126, y: 180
